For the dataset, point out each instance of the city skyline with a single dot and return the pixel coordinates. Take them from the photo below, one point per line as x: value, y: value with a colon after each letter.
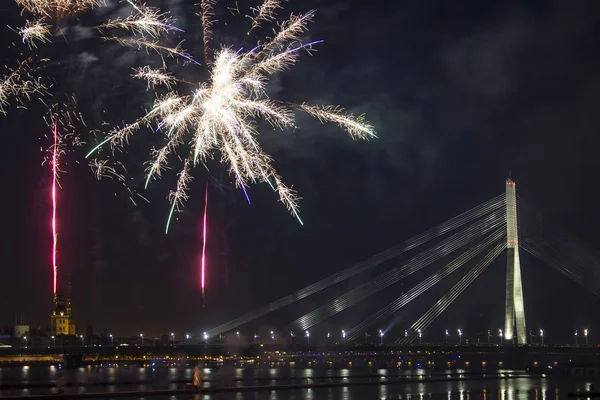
x: 458, y: 103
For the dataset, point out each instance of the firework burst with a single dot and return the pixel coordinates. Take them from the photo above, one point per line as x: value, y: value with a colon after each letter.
x: 142, y: 29
x: 19, y: 84
x: 221, y: 116
x: 58, y: 8
x: 35, y: 31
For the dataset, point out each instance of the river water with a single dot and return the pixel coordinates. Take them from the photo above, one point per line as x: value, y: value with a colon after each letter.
x: 124, y: 377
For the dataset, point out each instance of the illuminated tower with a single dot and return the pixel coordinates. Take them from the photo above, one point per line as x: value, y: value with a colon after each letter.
x: 61, y: 320
x: 515, y: 308
x: 69, y: 304
x: 69, y: 309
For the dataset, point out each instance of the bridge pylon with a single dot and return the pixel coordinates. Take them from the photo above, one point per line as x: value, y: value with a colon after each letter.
x: 514, y: 318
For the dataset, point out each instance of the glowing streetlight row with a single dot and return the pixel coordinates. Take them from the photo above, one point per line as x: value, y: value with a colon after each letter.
x: 381, y: 336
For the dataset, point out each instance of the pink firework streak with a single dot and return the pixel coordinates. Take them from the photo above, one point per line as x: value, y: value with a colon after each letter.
x: 204, y: 241
x: 54, y: 237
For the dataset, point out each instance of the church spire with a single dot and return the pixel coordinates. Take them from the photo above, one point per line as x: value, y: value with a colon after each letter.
x: 69, y: 303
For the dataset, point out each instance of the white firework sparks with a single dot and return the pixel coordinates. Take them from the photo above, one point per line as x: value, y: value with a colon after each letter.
x: 145, y: 24
x: 221, y: 116
x: 58, y: 8
x: 179, y: 196
x: 18, y: 84
x: 147, y: 21
x: 264, y: 13
x: 154, y: 77
x: 35, y: 30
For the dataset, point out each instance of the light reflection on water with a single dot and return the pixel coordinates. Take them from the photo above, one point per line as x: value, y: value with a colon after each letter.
x: 98, y: 378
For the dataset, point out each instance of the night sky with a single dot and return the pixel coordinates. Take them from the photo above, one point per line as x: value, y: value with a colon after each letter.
x: 461, y: 95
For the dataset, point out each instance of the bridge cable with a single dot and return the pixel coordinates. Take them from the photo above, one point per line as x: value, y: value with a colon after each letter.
x: 562, y: 262
x: 444, y: 302
x: 537, y: 226
x: 390, y: 277
x: 560, y: 250
x: 426, y: 284
x: 386, y: 255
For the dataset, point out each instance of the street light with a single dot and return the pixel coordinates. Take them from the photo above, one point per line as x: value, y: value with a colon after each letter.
x: 420, y: 336
x: 291, y: 336
x: 459, y: 337
x: 53, y: 341
x: 205, y: 336
x: 585, y: 333
x: 173, y: 338
x: 344, y: 335
x: 328, y: 334
x: 273, y: 336
x: 447, y: 334
x: 142, y: 338
x: 489, y: 337
x: 82, y: 342
x: 381, y: 337
x: 542, y: 336
x: 255, y: 337
x: 238, y: 336
x: 406, y: 333
x: 576, y: 338
x: 25, y: 338
x: 112, y: 340
x: 307, y: 337
x: 501, y: 336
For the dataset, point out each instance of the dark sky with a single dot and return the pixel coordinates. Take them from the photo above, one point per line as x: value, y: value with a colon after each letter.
x: 459, y: 94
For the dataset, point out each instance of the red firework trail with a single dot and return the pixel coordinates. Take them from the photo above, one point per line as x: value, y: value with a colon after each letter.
x: 203, y: 266
x: 54, y: 237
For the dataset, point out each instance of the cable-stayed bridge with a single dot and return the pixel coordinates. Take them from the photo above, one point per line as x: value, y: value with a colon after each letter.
x: 467, y: 243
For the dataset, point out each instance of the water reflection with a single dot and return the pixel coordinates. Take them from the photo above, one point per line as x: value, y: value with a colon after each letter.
x: 383, y: 392
x: 109, y: 378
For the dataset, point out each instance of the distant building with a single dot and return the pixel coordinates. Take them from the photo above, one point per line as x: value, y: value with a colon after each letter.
x: 61, y: 320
